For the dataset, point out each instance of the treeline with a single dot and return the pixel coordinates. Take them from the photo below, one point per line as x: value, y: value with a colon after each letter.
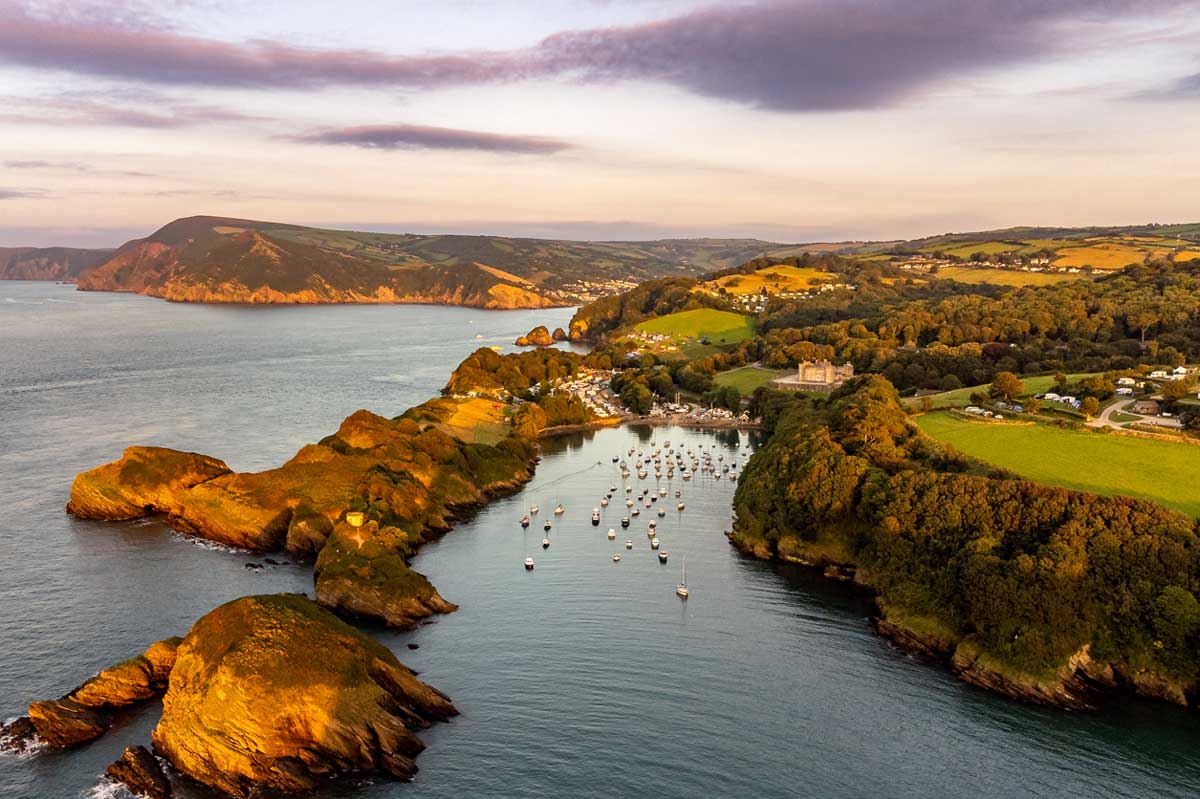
x: 488, y: 372
x: 1028, y: 572
x: 1143, y: 314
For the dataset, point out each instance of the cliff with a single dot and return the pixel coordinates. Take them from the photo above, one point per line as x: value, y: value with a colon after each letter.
x: 48, y: 263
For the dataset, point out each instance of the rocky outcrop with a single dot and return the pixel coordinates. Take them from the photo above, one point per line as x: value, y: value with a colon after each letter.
x: 145, y: 480
x: 559, y: 334
x: 141, y: 774
x: 538, y: 337
x: 363, y: 573
x: 275, y: 693
x: 408, y: 477
x: 87, y: 712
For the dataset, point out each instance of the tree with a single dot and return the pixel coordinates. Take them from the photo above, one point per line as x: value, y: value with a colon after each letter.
x: 1007, y: 386
x: 1178, y: 389
x: 1089, y: 406
x: 637, y: 398
x: 1031, y: 405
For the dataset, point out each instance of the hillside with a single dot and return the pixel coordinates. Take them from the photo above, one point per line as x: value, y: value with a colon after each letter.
x: 213, y: 259
x: 48, y: 263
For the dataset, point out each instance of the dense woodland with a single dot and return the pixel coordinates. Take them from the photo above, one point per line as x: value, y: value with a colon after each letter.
x: 1031, y: 573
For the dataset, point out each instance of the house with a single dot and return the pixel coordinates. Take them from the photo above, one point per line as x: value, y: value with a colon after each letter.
x: 1124, y: 391
x: 1180, y: 370
x: 1146, y: 407
x: 1126, y: 381
x: 1158, y: 374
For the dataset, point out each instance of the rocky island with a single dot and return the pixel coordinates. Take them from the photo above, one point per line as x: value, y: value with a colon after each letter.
x: 248, y: 707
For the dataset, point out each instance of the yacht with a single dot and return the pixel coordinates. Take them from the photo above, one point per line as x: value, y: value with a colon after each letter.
x: 612, y: 534
x: 528, y: 564
x: 596, y: 516
x: 547, y: 525
x: 616, y: 558
x: 654, y: 543
x: 681, y: 590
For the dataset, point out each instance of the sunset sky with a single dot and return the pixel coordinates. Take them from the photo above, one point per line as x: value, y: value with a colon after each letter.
x: 791, y: 121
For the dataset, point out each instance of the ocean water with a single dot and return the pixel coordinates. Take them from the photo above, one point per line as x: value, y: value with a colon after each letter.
x: 584, y: 677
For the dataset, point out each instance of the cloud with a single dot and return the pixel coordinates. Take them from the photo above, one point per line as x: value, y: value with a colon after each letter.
x: 798, y: 55
x: 420, y: 137
x: 71, y: 166
x: 21, y: 194
x: 115, y: 109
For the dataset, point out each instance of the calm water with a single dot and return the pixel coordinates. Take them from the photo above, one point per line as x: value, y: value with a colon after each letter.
x: 583, y: 678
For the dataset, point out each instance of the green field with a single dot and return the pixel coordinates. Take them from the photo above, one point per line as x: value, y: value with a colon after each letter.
x: 1161, y: 471
x: 749, y: 378
x: 1003, y: 277
x: 962, y: 396
x: 720, y: 327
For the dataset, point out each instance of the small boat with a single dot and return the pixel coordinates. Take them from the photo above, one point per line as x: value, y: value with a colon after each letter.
x: 662, y: 556
x: 629, y: 503
x: 559, y: 510
x: 662, y: 492
x: 616, y: 558
x: 679, y: 506
x: 635, y: 512
x: 596, y: 516
x: 681, y: 590
x: 678, y: 494
x: 628, y: 543
x: 615, y: 458
x: 533, y: 509
x: 545, y: 543
x: 528, y: 564
x: 524, y: 521
x: 654, y: 543
x: 612, y: 534
x: 628, y: 488
x: 604, y: 502
x: 547, y: 525
x: 662, y: 511
x: 625, y: 521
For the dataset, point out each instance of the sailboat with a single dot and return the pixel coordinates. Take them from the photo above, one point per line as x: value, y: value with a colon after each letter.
x: 559, y: 509
x: 533, y: 508
x: 524, y: 521
x: 596, y: 516
x: 681, y: 590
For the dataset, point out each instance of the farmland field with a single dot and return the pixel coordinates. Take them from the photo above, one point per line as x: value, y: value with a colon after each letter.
x: 718, y: 326
x: 1161, y: 471
x: 773, y: 278
x: 748, y: 378
x: 1101, y: 256
x: 1003, y: 277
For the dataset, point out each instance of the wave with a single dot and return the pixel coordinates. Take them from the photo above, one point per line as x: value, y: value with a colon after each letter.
x: 204, y: 543
x: 15, y: 301
x: 108, y: 788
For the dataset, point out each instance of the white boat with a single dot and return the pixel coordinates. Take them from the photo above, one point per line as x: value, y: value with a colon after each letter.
x: 612, y: 534
x: 545, y: 543
x: 628, y: 543
x: 547, y: 525
x: 662, y: 511
x: 604, y: 502
x: 681, y: 590
x: 654, y: 543
x: 533, y: 509
x: 595, y: 516
x: 650, y: 533
x: 559, y: 510
x: 524, y: 521
x: 616, y: 558
x: 662, y: 492
x: 528, y: 564
x: 635, y: 512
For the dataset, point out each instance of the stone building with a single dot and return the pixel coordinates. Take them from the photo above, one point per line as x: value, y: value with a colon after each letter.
x: 815, y: 376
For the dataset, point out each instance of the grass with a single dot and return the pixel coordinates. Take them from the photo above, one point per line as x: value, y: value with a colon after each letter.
x: 1160, y: 471
x: 717, y: 326
x: 1037, y: 384
x: 774, y: 279
x: 748, y: 378
x: 1002, y: 277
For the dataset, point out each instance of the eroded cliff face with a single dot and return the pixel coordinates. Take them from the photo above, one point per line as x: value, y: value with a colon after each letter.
x: 273, y: 692
x: 408, y: 477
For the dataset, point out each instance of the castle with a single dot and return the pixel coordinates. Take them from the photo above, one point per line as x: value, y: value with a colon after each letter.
x: 815, y: 376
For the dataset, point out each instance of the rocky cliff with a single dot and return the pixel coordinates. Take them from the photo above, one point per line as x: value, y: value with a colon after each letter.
x: 48, y: 263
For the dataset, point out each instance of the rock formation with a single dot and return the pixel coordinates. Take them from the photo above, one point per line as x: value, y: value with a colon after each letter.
x: 141, y: 773
x: 273, y: 692
x: 538, y: 337
x: 408, y: 477
x: 86, y: 713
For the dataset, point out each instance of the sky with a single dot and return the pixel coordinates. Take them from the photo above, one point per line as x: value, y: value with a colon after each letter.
x: 787, y: 120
